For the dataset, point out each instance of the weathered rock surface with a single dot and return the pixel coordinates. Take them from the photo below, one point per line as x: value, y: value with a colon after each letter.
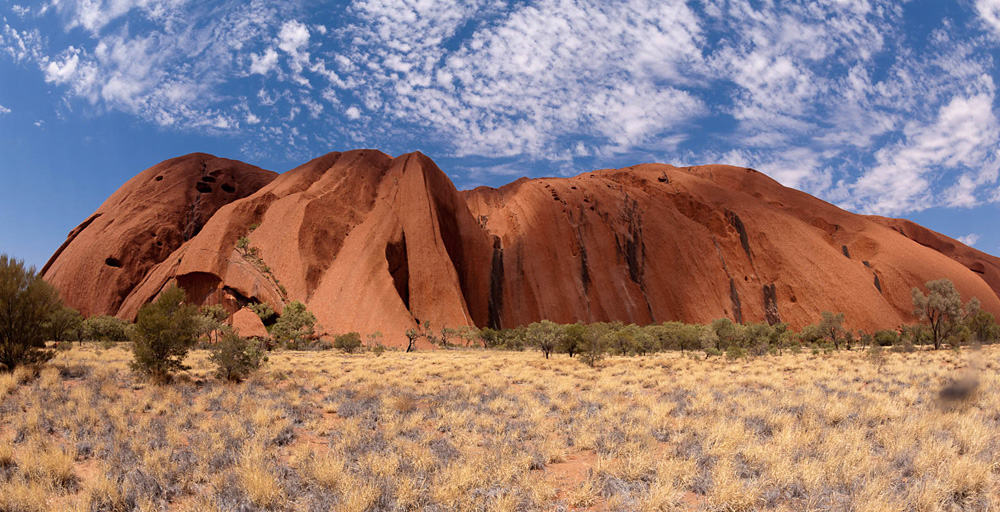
x: 375, y: 243
x: 141, y: 224
x: 246, y: 323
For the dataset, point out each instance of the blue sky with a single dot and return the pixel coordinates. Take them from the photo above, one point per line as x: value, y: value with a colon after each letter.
x: 877, y: 106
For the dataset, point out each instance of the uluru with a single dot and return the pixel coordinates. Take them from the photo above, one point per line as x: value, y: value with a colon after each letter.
x: 371, y: 242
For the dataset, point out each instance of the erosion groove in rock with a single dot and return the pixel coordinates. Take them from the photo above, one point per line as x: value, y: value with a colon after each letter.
x: 375, y: 243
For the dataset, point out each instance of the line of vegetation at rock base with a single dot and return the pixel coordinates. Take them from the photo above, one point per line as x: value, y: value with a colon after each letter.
x: 165, y: 330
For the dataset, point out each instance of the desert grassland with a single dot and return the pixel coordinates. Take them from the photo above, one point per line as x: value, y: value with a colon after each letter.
x: 473, y: 430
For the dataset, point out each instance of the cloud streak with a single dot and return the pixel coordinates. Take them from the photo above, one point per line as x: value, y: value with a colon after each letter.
x: 846, y: 100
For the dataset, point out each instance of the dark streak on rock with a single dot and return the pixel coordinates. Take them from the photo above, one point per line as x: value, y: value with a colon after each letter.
x: 737, y: 223
x: 771, y: 304
x: 735, y: 296
x: 496, y: 285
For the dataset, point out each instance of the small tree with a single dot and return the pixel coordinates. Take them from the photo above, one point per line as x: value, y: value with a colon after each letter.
x: 64, y: 324
x: 571, y: 341
x: 941, y: 308
x: 212, y: 318
x: 265, y: 312
x: 27, y: 302
x: 831, y: 327
x: 236, y: 358
x: 545, y: 335
x: 105, y: 328
x: 295, y: 325
x: 164, y: 332
x: 726, y: 333
x: 348, y: 342
x: 594, y: 341
x: 411, y: 336
x: 981, y: 324
x: 468, y: 334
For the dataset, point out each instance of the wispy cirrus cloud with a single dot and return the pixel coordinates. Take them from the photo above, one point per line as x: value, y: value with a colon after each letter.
x: 852, y: 101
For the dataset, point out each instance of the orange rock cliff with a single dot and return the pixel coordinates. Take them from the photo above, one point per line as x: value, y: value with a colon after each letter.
x: 374, y: 243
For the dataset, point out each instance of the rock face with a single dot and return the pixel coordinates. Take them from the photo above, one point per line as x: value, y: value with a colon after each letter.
x: 246, y: 323
x: 375, y: 243
x: 141, y: 224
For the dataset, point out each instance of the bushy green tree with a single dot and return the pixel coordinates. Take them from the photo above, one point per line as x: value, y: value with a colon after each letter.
x: 545, y: 335
x: 27, y: 302
x: 468, y: 334
x: 941, y: 308
x: 164, y: 332
x: 595, y: 339
x: 489, y: 337
x: 64, y: 324
x: 295, y: 326
x: 885, y: 338
x: 831, y: 328
x: 643, y: 341
x: 265, y: 312
x: 810, y: 335
x: 981, y: 324
x: 236, y: 358
x: 105, y: 328
x: 212, y: 320
x: 726, y: 333
x: 348, y: 342
x: 571, y: 341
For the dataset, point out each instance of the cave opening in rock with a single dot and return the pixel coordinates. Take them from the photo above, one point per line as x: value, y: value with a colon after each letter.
x: 113, y: 262
x: 203, y: 188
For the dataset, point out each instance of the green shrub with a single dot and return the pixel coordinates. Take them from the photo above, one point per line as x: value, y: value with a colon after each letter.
x: 876, y: 354
x: 295, y: 326
x: 735, y: 352
x: 64, y: 324
x: 348, y: 342
x: 266, y: 313
x: 236, y: 358
x: 594, y: 343
x: 571, y: 341
x: 26, y: 304
x: 545, y: 335
x: 885, y: 338
x: 164, y: 332
x: 105, y: 328
x: 712, y: 351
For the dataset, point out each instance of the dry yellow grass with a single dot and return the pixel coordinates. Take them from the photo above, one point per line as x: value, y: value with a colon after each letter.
x: 470, y: 430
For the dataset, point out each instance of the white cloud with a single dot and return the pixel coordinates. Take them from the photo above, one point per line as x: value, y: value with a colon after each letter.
x: 963, y: 135
x: 263, y: 64
x: 63, y: 70
x: 542, y: 72
x: 969, y: 239
x: 94, y: 15
x: 4, y: 110
x: 172, y: 74
x: 20, y: 45
x: 831, y: 97
x: 293, y: 39
x: 989, y: 12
